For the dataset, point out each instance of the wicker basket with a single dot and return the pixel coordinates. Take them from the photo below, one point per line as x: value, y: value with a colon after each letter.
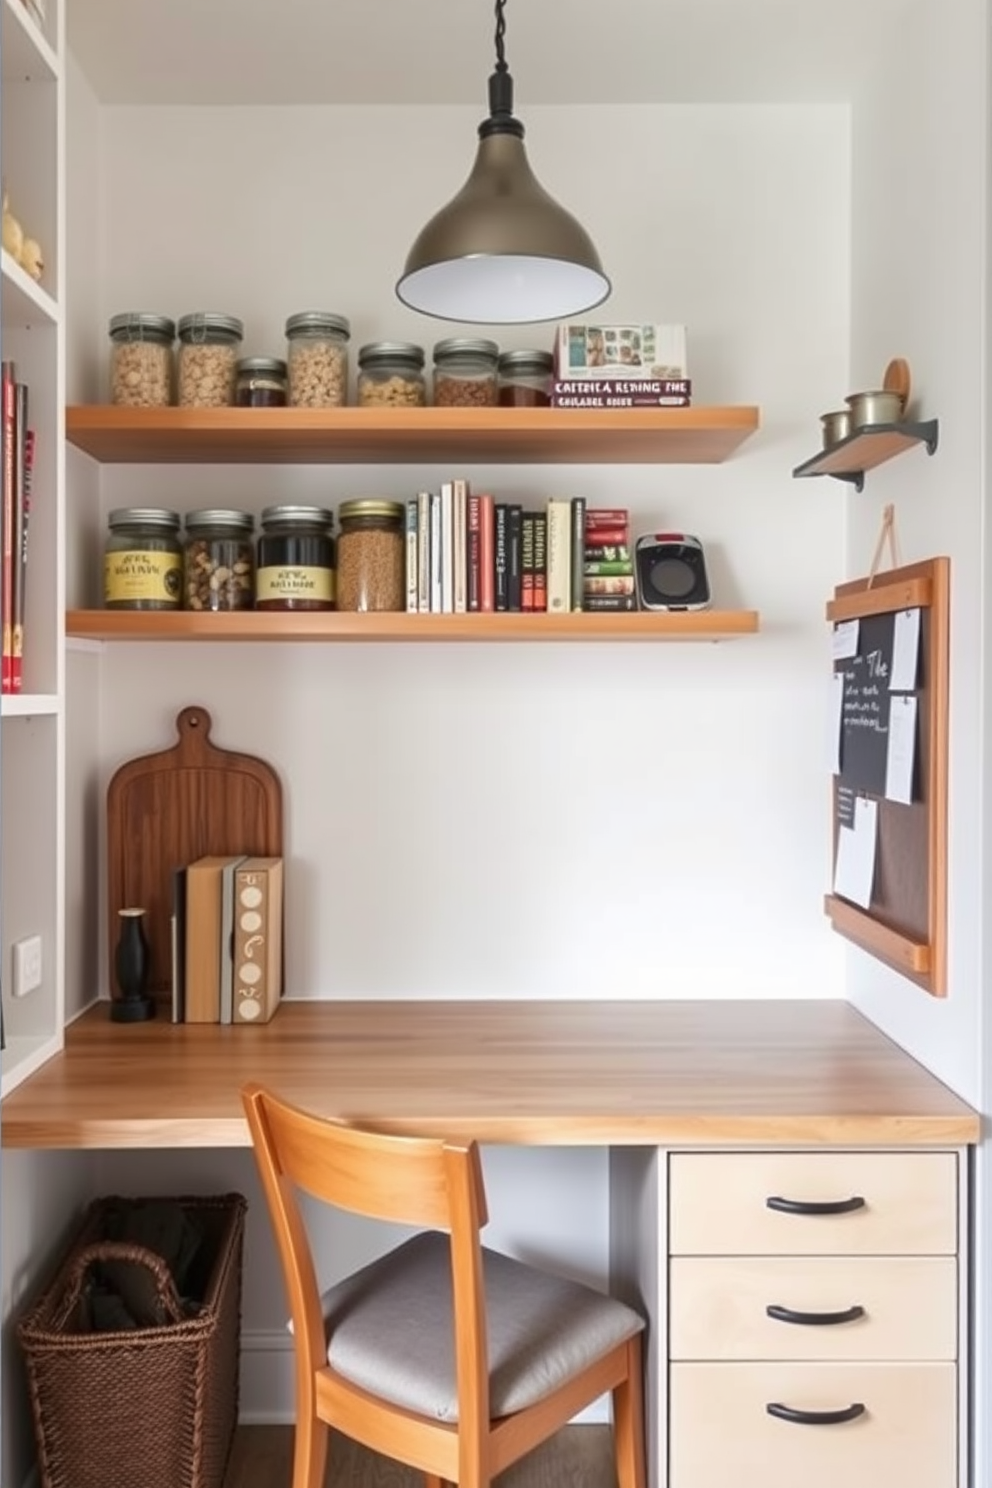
x: 151, y: 1407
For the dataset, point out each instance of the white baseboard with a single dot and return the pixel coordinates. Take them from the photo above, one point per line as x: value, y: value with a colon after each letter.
x: 267, y: 1382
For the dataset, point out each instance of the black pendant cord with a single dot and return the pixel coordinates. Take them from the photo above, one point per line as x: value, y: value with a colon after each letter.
x: 501, y: 120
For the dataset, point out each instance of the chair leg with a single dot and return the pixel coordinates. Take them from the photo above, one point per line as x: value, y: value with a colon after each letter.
x: 628, y: 1421
x: 309, y: 1451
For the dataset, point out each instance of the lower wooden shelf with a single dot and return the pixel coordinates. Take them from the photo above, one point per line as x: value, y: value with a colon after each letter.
x: 323, y: 625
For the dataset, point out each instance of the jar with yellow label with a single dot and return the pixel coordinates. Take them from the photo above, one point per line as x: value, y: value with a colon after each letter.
x: 143, y: 560
x: 296, y: 559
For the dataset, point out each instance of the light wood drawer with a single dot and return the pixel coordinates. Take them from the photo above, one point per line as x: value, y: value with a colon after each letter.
x: 719, y: 1203
x: 722, y: 1435
x: 717, y: 1307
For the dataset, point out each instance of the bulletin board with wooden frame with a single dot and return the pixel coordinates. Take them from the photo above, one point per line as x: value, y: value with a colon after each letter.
x: 905, y: 924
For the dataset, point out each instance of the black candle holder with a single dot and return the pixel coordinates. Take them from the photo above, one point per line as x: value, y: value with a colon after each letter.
x: 131, y: 964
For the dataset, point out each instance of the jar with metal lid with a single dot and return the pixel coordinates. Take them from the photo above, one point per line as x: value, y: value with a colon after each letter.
x: 525, y: 379
x: 260, y: 382
x: 465, y: 372
x: 141, y: 347
x: 372, y: 555
x: 219, y: 560
x: 317, y: 352
x: 296, y: 559
x: 208, y: 358
x: 392, y: 373
x: 143, y: 560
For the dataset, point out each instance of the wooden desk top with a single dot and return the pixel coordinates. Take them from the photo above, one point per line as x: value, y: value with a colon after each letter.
x: 538, y: 1073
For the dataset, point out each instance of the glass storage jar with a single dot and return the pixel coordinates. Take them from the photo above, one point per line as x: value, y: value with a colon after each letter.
x: 296, y: 559
x: 372, y: 555
x: 317, y: 352
x: 392, y: 372
x: 525, y: 379
x: 219, y: 560
x: 465, y: 372
x: 141, y: 347
x: 143, y: 560
x: 208, y: 358
x: 260, y: 382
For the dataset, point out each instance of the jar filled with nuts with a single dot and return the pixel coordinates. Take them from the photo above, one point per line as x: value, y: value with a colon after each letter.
x: 465, y: 372
x: 143, y: 560
x: 317, y: 343
x: 219, y: 561
x: 392, y: 372
x: 372, y: 555
x: 208, y: 359
x: 260, y: 382
x: 525, y: 379
x: 296, y: 554
x: 141, y: 360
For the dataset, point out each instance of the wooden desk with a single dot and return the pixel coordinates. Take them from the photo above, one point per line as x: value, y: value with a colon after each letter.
x: 548, y: 1073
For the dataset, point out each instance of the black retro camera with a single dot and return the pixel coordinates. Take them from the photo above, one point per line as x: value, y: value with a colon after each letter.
x: 671, y: 572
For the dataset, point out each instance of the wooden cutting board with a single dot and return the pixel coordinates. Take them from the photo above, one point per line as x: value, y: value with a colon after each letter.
x: 166, y: 809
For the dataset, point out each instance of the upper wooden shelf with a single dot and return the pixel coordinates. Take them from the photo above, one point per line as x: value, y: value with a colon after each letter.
x: 628, y: 436
x: 324, y: 625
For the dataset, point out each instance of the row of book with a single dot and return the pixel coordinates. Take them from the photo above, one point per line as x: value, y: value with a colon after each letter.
x: 469, y: 552
x: 17, y: 443
x: 226, y: 939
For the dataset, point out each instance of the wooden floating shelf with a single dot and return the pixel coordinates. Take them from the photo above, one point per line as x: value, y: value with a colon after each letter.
x: 324, y: 625
x: 502, y: 436
x: 863, y: 450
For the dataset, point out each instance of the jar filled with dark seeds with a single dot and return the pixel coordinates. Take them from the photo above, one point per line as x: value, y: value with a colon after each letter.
x: 372, y: 555
x: 143, y: 560
x: 296, y: 559
x: 219, y: 561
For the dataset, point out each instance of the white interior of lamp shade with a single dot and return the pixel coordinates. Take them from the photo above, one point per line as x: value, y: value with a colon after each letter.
x: 504, y: 289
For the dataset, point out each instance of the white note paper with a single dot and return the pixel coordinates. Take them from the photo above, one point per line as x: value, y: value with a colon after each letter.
x: 845, y: 640
x: 905, y: 651
x: 835, y: 721
x: 901, y: 753
x: 854, y: 870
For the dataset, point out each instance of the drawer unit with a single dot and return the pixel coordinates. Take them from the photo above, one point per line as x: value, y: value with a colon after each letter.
x: 813, y: 1306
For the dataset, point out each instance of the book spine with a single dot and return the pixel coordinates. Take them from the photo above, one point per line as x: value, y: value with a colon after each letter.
x: 527, y: 561
x: 606, y: 552
x: 447, y: 605
x: 540, y: 561
x: 424, y: 552
x: 257, y: 957
x: 606, y: 566
x: 559, y: 513
x: 578, y: 549
x: 8, y: 415
x: 620, y: 584
x: 514, y: 574
x: 437, y: 557
x: 412, y: 600
x: 17, y: 571
x: 500, y: 557
x: 487, y: 559
x: 460, y: 522
x: 474, y: 554
x: 606, y: 516
x: 610, y: 602
x: 606, y: 537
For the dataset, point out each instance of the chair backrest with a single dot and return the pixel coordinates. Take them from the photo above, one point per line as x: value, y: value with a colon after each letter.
x: 420, y: 1181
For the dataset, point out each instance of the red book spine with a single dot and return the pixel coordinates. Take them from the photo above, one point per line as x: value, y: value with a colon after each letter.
x: 474, y: 553
x: 487, y: 554
x: 607, y: 516
x: 607, y: 537
x: 8, y: 417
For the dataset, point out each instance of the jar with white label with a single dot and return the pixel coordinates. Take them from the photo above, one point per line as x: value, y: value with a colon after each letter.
x: 143, y: 560
x: 296, y: 559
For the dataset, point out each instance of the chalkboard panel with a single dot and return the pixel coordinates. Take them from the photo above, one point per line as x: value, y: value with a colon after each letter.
x: 905, y: 923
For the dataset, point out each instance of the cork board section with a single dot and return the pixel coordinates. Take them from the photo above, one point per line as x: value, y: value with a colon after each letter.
x: 166, y: 809
x: 905, y: 923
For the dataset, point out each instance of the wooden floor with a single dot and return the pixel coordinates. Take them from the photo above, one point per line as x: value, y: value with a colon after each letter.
x: 578, y: 1457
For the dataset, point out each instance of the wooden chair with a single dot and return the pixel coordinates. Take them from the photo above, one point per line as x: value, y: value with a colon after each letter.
x: 442, y: 1355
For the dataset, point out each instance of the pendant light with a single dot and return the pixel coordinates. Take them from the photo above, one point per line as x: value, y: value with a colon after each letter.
x: 502, y: 251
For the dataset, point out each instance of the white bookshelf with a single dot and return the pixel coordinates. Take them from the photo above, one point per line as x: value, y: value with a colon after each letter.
x: 32, y: 723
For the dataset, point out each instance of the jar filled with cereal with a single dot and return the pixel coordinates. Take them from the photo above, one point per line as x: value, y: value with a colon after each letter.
x: 372, y: 555
x: 392, y: 373
x: 317, y: 352
x: 465, y: 372
x: 141, y: 347
x: 143, y: 560
x: 208, y: 359
x: 219, y: 560
x: 296, y: 559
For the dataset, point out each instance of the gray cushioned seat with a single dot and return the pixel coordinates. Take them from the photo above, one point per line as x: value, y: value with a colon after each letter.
x: 393, y: 1330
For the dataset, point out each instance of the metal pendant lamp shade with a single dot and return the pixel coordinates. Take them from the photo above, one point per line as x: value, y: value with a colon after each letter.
x: 502, y: 251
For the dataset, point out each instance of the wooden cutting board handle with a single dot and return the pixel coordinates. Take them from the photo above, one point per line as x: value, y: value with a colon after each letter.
x: 166, y: 809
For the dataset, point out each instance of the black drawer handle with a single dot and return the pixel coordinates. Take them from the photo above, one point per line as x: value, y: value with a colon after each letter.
x: 814, y: 1206
x: 814, y: 1319
x: 815, y: 1418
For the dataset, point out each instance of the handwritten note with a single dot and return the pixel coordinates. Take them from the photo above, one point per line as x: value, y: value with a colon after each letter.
x: 835, y: 721
x: 902, y: 750
x: 845, y: 639
x: 854, y: 869
x: 864, y: 738
x: 905, y: 651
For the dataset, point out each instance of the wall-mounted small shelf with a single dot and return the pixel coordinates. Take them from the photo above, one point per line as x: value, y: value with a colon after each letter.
x: 849, y: 458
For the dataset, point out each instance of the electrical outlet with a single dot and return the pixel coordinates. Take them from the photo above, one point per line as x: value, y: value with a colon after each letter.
x: 27, y: 965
